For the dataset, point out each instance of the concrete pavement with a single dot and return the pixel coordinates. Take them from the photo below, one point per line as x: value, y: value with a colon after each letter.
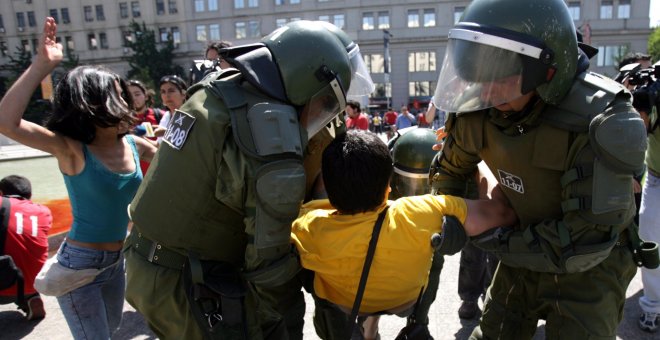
x: 444, y: 325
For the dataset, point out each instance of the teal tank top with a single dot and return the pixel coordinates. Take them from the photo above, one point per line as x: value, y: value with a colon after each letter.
x: 99, y: 199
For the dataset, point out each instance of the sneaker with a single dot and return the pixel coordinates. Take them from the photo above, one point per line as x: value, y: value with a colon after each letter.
x: 649, y: 321
x: 35, y: 308
x: 468, y: 310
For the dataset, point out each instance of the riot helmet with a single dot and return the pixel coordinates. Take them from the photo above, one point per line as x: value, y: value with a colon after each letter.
x: 309, y: 64
x: 502, y: 50
x: 412, y: 155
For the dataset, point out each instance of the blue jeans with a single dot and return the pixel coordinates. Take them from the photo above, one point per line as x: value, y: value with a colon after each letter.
x: 93, y: 311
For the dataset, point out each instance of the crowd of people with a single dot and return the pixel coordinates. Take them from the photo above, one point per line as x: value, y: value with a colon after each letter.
x: 252, y: 186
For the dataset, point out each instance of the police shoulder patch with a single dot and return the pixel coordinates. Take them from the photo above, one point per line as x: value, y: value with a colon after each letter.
x: 511, y: 181
x: 178, y: 129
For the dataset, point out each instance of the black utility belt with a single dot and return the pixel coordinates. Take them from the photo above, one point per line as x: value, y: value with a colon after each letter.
x: 157, y: 253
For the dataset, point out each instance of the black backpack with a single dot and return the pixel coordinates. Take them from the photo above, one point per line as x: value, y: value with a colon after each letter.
x: 10, y: 274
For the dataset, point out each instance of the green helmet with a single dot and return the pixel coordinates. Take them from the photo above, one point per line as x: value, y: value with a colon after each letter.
x: 412, y: 154
x: 504, y: 49
x: 309, y: 64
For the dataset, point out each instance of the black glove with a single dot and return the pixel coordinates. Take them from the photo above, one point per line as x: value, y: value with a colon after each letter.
x: 452, y: 238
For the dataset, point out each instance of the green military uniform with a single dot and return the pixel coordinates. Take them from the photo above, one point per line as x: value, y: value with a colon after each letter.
x: 210, y: 255
x: 564, y: 144
x: 535, y: 159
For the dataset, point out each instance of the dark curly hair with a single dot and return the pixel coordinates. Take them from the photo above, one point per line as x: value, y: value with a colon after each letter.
x: 87, y: 97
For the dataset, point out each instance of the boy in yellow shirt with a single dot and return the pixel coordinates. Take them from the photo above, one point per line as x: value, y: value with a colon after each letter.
x: 332, y: 235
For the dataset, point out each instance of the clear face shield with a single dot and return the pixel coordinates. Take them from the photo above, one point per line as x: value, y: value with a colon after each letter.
x: 483, y: 70
x: 331, y: 100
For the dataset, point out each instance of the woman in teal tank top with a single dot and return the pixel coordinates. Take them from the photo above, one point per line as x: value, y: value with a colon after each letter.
x: 86, y: 132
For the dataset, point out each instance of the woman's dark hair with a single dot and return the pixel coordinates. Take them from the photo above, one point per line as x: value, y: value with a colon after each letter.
x: 356, y: 168
x: 87, y: 97
x: 174, y: 80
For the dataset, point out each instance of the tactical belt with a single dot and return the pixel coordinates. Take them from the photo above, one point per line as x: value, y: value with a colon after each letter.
x: 157, y: 253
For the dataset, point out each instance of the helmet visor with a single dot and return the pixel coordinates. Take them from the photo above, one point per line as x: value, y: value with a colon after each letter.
x: 322, y: 107
x: 361, y: 83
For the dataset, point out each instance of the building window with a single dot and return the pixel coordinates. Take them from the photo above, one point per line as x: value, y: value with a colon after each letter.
x: 375, y: 63
x: 123, y: 10
x: 176, y: 36
x: 607, y: 55
x: 160, y: 7
x: 279, y: 2
x: 325, y: 18
x: 339, y: 21
x: 32, y: 21
x: 103, y: 41
x: 367, y: 21
x: 606, y: 9
x: 413, y: 18
x: 65, y: 15
x: 421, y: 61
x: 127, y: 37
x: 254, y: 29
x: 294, y: 2
x: 213, y: 5
x: 420, y: 88
x: 574, y: 10
x: 162, y: 33
x: 429, y: 17
x: 88, y: 13
x: 35, y: 46
x: 2, y: 23
x: 458, y: 13
x: 91, y: 41
x: 294, y: 19
x: 26, y: 45
x: 3, y: 48
x: 100, y: 16
x: 253, y: 3
x: 135, y: 9
x: 382, y: 90
x: 199, y: 5
x: 20, y: 19
x: 214, y: 32
x: 171, y: 5
x: 239, y: 4
x: 241, y: 30
x: 383, y: 20
x: 69, y: 44
x: 201, y: 32
x: 623, y: 12
x: 280, y: 22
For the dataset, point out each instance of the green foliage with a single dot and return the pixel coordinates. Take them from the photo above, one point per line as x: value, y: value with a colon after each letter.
x: 18, y: 63
x: 654, y: 45
x: 149, y: 63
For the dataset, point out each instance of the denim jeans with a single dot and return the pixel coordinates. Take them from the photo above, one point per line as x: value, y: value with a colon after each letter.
x: 649, y: 230
x: 93, y: 311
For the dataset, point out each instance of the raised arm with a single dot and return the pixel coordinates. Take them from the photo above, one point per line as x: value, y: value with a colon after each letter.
x: 15, y: 101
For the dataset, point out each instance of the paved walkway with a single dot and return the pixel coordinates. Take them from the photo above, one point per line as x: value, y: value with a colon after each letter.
x: 444, y: 325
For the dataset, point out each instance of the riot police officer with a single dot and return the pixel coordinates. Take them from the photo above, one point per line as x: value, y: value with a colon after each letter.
x: 210, y: 253
x: 564, y: 144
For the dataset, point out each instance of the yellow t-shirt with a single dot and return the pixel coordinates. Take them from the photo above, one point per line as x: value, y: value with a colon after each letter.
x: 334, y: 246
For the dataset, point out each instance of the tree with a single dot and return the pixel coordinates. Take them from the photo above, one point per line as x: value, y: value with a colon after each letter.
x: 654, y: 45
x: 148, y: 63
x: 18, y: 63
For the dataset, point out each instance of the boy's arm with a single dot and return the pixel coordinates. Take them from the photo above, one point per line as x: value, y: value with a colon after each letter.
x: 483, y: 215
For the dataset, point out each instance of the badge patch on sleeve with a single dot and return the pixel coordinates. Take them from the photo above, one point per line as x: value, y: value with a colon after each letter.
x: 511, y: 181
x: 178, y: 129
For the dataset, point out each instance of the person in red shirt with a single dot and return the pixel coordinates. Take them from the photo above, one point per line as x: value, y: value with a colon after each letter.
x: 26, y: 242
x: 142, y: 102
x: 355, y: 118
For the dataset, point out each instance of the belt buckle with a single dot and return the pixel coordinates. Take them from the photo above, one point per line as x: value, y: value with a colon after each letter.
x: 152, y: 257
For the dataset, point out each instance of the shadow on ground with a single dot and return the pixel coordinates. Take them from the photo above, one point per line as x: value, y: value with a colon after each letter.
x: 133, y: 326
x: 14, y: 322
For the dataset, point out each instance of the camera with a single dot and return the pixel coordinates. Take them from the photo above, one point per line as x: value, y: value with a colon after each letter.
x: 645, y: 87
x: 201, y: 68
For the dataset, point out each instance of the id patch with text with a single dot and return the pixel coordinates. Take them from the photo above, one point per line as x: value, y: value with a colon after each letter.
x: 178, y: 129
x: 511, y: 181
